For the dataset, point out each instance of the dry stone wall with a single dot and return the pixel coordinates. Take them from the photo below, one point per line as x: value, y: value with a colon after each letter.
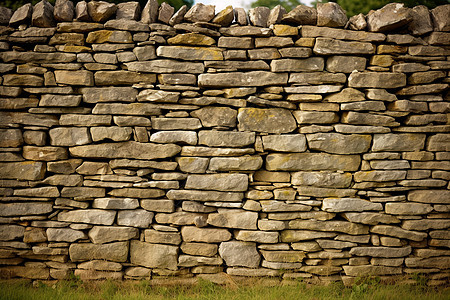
x: 194, y: 145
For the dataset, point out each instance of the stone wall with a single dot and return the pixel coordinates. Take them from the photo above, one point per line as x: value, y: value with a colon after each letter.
x: 189, y: 147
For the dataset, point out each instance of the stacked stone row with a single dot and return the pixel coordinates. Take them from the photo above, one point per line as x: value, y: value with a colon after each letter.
x: 134, y: 151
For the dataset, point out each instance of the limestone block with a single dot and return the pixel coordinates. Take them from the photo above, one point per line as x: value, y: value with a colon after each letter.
x: 399, y: 232
x: 328, y: 46
x: 234, y: 219
x: 204, y: 196
x: 117, y: 252
x: 81, y: 77
x: 43, y: 15
x: 89, y: 216
x: 244, y: 163
x: 216, y: 116
x: 11, y: 232
x: 339, y: 143
x: 370, y: 218
x: 225, y: 138
x: 389, y: 17
x: 408, y: 208
x: 46, y: 153
x: 297, y: 65
x: 331, y: 15
x: 301, y: 15
x: 185, y: 137
x: 135, y: 218
x: 322, y: 179
x: 312, y: 161
x: 371, y: 270
x: 200, y: 13
x: 153, y: 255
x: 439, y: 16
x: 237, y: 253
x: 291, y: 256
x: 59, y: 100
x: 398, y: 142
x: 115, y: 203
x: 25, y: 209
x: 47, y: 191
x: 190, y: 53
x: 349, y: 204
x: 259, y: 16
x: 64, y: 235
x: 430, y: 196
x: 206, y: 235
x: 218, y: 182
x: 192, y: 261
x: 100, y: 11
x: 262, y: 237
x: 251, y: 79
x: 10, y: 138
x: 376, y: 80
x: 333, y: 226
x: 150, y: 12
x: 271, y: 120
x: 69, y: 136
x: 381, y: 251
x: 122, y: 78
x: 106, y: 234
x: 199, y: 249
x: 21, y: 15
x: 161, y: 237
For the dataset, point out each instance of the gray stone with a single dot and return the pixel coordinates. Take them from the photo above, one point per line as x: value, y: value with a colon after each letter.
x: 113, y: 133
x: 368, y: 119
x: 200, y: 13
x: 225, y: 138
x: 218, y: 182
x: 259, y: 16
x: 357, y: 22
x: 442, y: 262
x: 199, y: 249
x: 22, y: 80
x: 286, y: 256
x: 301, y: 15
x: 322, y: 179
x: 11, y: 232
x: 255, y: 78
x: 206, y: 235
x: 330, y: 15
x: 216, y: 116
x: 192, y: 261
x: 381, y: 251
x: 245, y: 163
x: 165, y: 12
x: 21, y: 15
x: 158, y: 205
x: 131, y: 149
x: 44, y: 153
x: 333, y: 226
x: 117, y: 252
x: 25, y: 209
x: 176, y: 123
x: 89, y: 216
x: 122, y: 94
x: 161, y: 237
x: 389, y: 17
x: 185, y: 137
x: 317, y: 78
x: 150, y: 12
x: 379, y: 176
x: 349, y: 204
x: 106, y: 234
x: 297, y: 65
x: 440, y: 17
x: 63, y: 11
x: 256, y: 119
x: 100, y: 265
x: 399, y: 232
x: 166, y: 66
x: 234, y: 219
x: 312, y: 161
x: 328, y: 46
x: 158, y: 96
x: 275, y: 206
x: 243, y: 254
x: 285, y: 143
x: 43, y: 15
x: 64, y: 235
x: 339, y: 143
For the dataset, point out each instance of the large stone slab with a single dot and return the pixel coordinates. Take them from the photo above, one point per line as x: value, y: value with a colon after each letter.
x: 89, y: 216
x: 245, y: 163
x: 117, y: 252
x: 234, y: 219
x: 430, y: 196
x: 389, y: 17
x: 26, y: 170
x: 165, y: 66
x: 206, y: 235
x: 225, y: 138
x: 271, y: 120
x: 237, y: 253
x: 216, y: 116
x: 383, y: 80
x: 327, y: 46
x: 106, y: 234
x: 312, y: 161
x: 297, y: 65
x: 131, y: 149
x: 218, y: 182
x: 236, y: 79
x: 11, y: 232
x: 322, y: 179
x: 398, y: 142
x: 190, y: 53
x: 64, y: 235
x: 204, y: 196
x: 341, y: 34
x: 25, y: 208
x: 339, y: 143
x: 381, y: 251
x: 370, y: 270
x: 69, y: 136
x: 332, y: 226
x: 399, y: 232
x: 349, y: 204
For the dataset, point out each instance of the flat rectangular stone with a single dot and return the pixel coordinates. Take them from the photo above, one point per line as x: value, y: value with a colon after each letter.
x: 377, y: 80
x: 84, y: 120
x: 126, y: 109
x: 317, y: 78
x: 204, y: 196
x: 27, y: 170
x: 109, y: 94
x: 190, y: 53
x: 331, y: 226
x: 328, y: 46
x: 341, y: 34
x: 218, y: 182
x: 36, y: 57
x: 225, y: 138
x: 236, y: 79
x: 312, y: 161
x: 25, y: 209
x: 89, y: 216
x: 166, y: 66
x: 297, y: 65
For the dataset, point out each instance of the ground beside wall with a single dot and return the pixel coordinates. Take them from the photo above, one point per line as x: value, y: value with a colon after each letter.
x: 185, y: 145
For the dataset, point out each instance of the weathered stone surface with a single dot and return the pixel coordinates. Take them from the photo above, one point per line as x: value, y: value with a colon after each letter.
x: 44, y: 153
x: 255, y: 78
x: 297, y: 65
x: 200, y: 13
x: 216, y: 116
x: 430, y: 196
x: 63, y: 11
x: 398, y: 142
x: 225, y: 138
x: 106, y: 234
x: 10, y: 138
x: 349, y: 204
x: 11, y: 232
x: 389, y: 17
x: 100, y: 11
x: 283, y: 256
x: 322, y: 179
x: 440, y: 20
x: 275, y: 16
x: 190, y: 53
x: 399, y: 232
x: 377, y: 80
x: 22, y: 80
x: 21, y: 15
x: 153, y: 255
x: 117, y: 252
x: 43, y: 15
x: 113, y: 133
x: 161, y: 237
x: 89, y: 216
x: 185, y: 137
x: 272, y: 120
x: 245, y: 163
x: 263, y: 237
x: 69, y: 136
x: 330, y: 15
x: 327, y: 46
x: 199, y: 249
x: 311, y: 161
x: 203, y: 196
x: 218, y: 182
x: 301, y: 15
x: 381, y: 251
x: 81, y: 77
x: 237, y: 253
x: 25, y: 208
x: 234, y: 219
x: 285, y: 143
x: 126, y: 150
x: 365, y: 270
x: 150, y: 12
x: 135, y: 218
x: 122, y: 94
x: 166, y: 66
x: 333, y: 226
x: 317, y: 78
x: 115, y: 203
x: 259, y: 16
x: 275, y: 206
x: 407, y: 208
x: 339, y: 143
x: 64, y: 235
x: 206, y: 235
x: 224, y: 17
x: 370, y: 218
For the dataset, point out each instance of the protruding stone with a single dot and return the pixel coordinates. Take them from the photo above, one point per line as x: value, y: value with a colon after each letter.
x: 21, y: 15
x: 165, y: 12
x: 440, y: 17
x: 236, y: 253
x: 225, y: 17
x: 178, y: 16
x: 64, y: 11
x: 259, y: 16
x: 389, y: 17
x: 275, y: 16
x: 43, y: 15
x: 421, y: 20
x: 5, y: 15
x: 301, y: 15
x: 200, y: 13
x: 330, y: 14
x: 150, y: 12
x: 128, y: 11
x: 256, y: 119
x: 100, y: 11
x: 81, y: 12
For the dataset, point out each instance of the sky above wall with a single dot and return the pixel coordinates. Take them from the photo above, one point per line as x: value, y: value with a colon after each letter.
x: 221, y: 4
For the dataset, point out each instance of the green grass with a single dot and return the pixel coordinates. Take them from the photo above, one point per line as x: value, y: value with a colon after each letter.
x: 137, y: 290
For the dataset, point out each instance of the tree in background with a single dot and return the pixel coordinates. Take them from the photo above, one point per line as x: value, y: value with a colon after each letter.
x: 287, y: 4
x: 15, y: 4
x: 354, y: 7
